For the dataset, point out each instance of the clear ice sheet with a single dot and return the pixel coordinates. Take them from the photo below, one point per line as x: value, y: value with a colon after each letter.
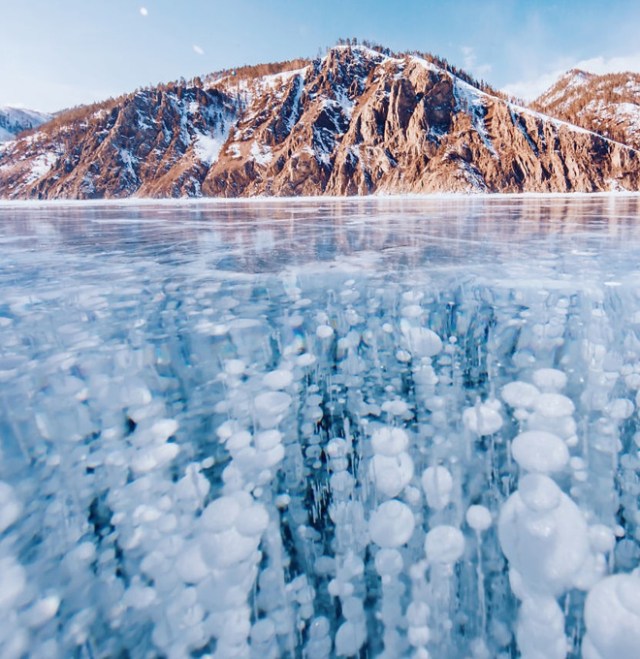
x: 285, y: 429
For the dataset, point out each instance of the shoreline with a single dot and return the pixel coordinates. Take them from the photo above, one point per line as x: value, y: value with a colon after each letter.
x: 212, y: 201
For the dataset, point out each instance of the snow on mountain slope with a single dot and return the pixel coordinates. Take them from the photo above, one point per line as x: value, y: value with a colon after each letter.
x: 16, y: 120
x: 357, y: 121
x: 607, y: 104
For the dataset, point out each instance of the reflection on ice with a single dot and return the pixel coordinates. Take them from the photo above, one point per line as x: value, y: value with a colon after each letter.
x: 368, y: 428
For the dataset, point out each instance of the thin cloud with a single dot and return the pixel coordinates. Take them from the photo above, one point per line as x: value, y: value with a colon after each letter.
x: 470, y: 62
x: 198, y: 50
x: 531, y: 89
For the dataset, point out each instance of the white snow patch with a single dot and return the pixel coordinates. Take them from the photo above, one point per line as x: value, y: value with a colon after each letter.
x: 469, y: 100
x: 41, y: 166
x: 208, y: 146
x: 261, y: 153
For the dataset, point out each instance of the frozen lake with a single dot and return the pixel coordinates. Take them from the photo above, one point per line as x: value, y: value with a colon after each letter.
x: 374, y: 428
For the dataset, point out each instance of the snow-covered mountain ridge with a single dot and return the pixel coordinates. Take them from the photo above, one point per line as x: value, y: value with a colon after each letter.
x: 607, y: 104
x: 16, y: 120
x: 357, y: 121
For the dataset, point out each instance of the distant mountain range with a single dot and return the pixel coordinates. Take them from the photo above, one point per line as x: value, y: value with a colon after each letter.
x: 358, y: 121
x: 14, y: 121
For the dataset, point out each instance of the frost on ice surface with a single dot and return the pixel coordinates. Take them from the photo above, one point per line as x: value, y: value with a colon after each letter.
x: 352, y: 428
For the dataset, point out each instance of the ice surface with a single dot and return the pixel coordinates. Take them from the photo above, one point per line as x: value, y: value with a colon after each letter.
x: 385, y: 428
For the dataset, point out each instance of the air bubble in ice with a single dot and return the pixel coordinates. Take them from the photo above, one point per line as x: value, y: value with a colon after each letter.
x: 612, y: 618
x: 549, y: 380
x: 520, y: 394
x: 478, y: 518
x: 482, y: 419
x: 540, y: 451
x: 391, y: 524
x: 437, y: 484
x: 444, y: 544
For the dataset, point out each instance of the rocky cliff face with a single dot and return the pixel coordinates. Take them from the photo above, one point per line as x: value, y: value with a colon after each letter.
x: 606, y: 104
x: 354, y: 122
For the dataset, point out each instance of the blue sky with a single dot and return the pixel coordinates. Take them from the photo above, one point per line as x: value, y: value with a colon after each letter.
x: 59, y: 53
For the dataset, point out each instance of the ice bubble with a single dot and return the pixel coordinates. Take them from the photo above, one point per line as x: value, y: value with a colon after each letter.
x: 391, y: 524
x: 263, y: 631
x: 163, y: 429
x: 520, y: 394
x: 540, y: 451
x: 221, y: 513
x: 270, y: 406
x: 544, y: 535
x: 148, y: 459
x: 342, y: 482
x: 612, y: 618
x: 419, y: 636
x: 601, y: 538
x: 539, y: 493
x: 13, y: 581
x: 234, y: 366
x: 352, y: 566
x: 620, y: 409
x: 253, y: 521
x: 267, y: 439
x: 43, y: 610
x: 350, y: 637
x: 540, y: 630
x: 391, y: 474
x: 482, y: 419
x: 478, y: 518
x: 352, y: 609
x: 549, y: 379
x: 412, y: 311
x: 238, y: 441
x: 437, y: 484
x: 10, y: 507
x: 444, y: 544
x: 418, y: 613
x: 389, y: 562
x: 554, y: 406
x: 324, y: 332
x: 423, y: 342
x: 319, y: 627
x: 271, y: 457
x: 306, y: 359
x: 226, y: 429
x: 278, y: 379
x: 226, y: 548
x: 190, y: 564
x: 395, y: 407
x: 389, y: 441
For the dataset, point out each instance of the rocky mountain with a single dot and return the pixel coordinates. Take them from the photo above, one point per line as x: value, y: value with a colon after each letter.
x: 356, y: 121
x: 16, y: 120
x: 606, y: 104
